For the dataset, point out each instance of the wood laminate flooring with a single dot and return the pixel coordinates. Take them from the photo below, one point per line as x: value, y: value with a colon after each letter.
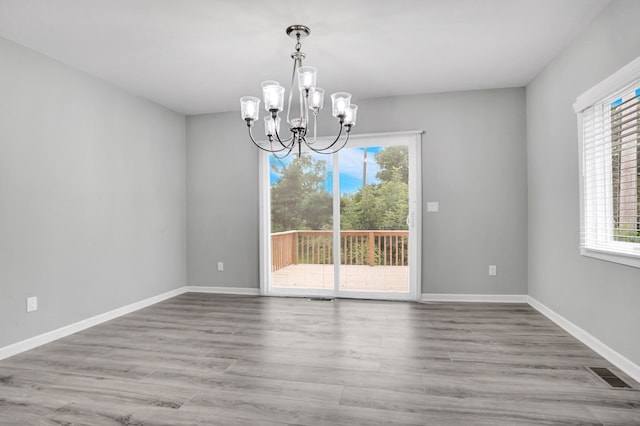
x: 203, y: 359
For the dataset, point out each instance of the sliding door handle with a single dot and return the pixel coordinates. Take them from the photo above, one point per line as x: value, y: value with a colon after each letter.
x: 410, y: 220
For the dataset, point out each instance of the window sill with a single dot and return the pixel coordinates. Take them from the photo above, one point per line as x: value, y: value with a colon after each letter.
x: 612, y: 256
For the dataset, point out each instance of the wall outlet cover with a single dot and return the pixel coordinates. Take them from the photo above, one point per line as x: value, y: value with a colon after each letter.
x: 433, y: 206
x: 32, y: 304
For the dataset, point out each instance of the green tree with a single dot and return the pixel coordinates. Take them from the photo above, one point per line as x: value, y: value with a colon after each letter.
x: 377, y: 206
x: 393, y: 196
x: 359, y: 210
x: 384, y: 205
x: 392, y: 159
x: 300, y: 201
x: 298, y: 198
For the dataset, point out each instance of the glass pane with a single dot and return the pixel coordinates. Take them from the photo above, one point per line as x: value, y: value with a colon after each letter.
x: 374, y: 204
x: 625, y: 168
x: 301, y: 221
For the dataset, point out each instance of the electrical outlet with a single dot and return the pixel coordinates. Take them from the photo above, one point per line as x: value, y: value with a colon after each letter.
x: 220, y: 266
x: 433, y: 207
x: 32, y: 304
x: 492, y: 270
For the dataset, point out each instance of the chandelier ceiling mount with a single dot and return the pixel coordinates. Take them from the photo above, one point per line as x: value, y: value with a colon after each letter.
x: 298, y: 31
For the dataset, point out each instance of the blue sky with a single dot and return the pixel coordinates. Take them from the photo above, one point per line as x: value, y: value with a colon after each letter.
x: 351, y: 168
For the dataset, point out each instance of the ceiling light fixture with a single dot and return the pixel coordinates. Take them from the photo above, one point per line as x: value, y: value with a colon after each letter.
x: 310, y: 98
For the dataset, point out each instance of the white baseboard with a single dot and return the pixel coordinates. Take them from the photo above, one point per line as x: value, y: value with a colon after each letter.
x: 620, y: 361
x: 59, y: 333
x: 488, y: 298
x: 223, y: 290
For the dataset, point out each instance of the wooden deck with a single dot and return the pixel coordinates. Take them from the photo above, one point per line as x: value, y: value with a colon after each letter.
x: 352, y: 277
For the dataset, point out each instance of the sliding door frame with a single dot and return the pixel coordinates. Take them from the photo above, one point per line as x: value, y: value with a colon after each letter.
x: 410, y: 138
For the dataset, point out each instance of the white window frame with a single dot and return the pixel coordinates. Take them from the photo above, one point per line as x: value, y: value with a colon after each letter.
x: 600, y: 245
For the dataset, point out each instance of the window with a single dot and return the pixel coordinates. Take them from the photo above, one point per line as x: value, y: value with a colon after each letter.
x: 609, y: 126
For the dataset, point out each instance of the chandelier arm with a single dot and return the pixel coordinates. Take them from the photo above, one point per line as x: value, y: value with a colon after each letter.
x: 293, y: 79
x: 285, y: 155
x: 285, y: 147
x: 285, y: 141
x: 322, y: 151
x: 319, y: 150
x: 262, y: 148
x: 315, y: 126
x: 304, y: 109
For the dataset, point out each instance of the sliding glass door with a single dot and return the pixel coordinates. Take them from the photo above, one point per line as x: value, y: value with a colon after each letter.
x: 343, y: 225
x: 301, y: 222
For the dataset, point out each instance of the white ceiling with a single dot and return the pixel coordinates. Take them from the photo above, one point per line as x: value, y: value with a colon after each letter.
x: 200, y: 56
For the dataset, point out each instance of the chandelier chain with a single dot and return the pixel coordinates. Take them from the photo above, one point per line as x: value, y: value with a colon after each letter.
x: 298, y: 44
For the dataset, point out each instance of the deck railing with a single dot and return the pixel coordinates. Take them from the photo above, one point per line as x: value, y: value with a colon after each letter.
x: 371, y: 248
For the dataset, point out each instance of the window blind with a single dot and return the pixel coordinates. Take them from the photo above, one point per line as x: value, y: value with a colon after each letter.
x: 611, y: 172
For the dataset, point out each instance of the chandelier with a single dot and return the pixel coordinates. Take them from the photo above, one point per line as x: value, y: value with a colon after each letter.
x: 310, y: 98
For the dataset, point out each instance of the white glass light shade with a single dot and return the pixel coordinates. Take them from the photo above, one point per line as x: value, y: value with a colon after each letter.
x: 249, y: 106
x: 316, y: 98
x: 351, y: 114
x: 271, y: 126
x: 307, y: 77
x: 273, y: 95
x: 340, y: 102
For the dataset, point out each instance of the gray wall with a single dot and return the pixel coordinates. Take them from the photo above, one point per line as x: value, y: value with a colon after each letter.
x: 92, y: 195
x: 222, y: 202
x: 473, y: 163
x: 601, y: 297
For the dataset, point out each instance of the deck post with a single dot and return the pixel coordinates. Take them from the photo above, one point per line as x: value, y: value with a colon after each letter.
x: 371, y: 248
x: 294, y: 248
